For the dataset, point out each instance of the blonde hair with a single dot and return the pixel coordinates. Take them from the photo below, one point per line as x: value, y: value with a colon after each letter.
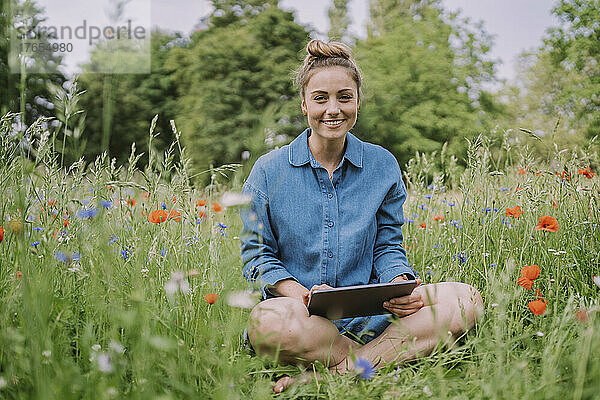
x: 324, y: 55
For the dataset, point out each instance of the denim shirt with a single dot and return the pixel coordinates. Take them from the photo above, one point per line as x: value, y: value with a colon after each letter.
x: 301, y: 225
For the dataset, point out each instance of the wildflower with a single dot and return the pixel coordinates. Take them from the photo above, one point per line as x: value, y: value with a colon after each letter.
x: 587, y: 172
x: 38, y: 229
x: 67, y: 258
x: 410, y: 221
x: 163, y: 206
x: 522, y: 171
x: 15, y: 226
x: 430, y: 187
x: 514, y: 212
x: 131, y: 202
x: 211, y: 298
x: 547, y: 223
x: 581, y: 315
x: 174, y: 215
x: 164, y: 252
x: 564, y: 176
x: 105, y: 203
x: 125, y: 253
x: 423, y: 225
x: 113, y: 239
x: 36, y: 243
x: 423, y: 206
x: 243, y: 299
x: 538, y: 307
x: 456, y: 223
x: 428, y: 196
x: 364, y: 369
x: 217, y: 207
x: 18, y: 275
x: 201, y: 203
x: 529, y: 273
x: 230, y: 199
x: 87, y: 213
x: 157, y: 216
x: 462, y: 257
x: 503, y: 189
x: 1, y: 234
x: 439, y: 217
x: 144, y: 272
x: 177, y: 283
x: 451, y: 204
x: 104, y: 363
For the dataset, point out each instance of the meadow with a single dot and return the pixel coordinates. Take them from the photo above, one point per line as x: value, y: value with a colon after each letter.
x: 125, y: 281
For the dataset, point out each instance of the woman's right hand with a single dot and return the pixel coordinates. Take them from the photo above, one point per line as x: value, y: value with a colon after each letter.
x: 306, y: 295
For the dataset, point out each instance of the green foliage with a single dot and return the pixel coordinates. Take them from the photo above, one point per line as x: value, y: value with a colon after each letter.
x: 227, y: 86
x: 423, y: 79
x: 134, y: 99
x: 25, y: 92
x: 338, y: 21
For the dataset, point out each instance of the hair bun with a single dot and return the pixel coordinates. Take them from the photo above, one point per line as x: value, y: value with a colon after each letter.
x: 319, y: 49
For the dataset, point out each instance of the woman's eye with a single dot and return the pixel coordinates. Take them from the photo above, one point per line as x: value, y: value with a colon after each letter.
x: 346, y: 97
x: 319, y: 98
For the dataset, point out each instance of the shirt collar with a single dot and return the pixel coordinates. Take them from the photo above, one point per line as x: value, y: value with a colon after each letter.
x: 299, y: 151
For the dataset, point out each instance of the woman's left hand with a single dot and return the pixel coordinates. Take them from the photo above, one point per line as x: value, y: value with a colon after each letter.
x: 405, y: 305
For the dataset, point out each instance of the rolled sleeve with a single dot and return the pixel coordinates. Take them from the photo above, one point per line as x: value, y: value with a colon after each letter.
x: 259, y: 248
x: 389, y: 257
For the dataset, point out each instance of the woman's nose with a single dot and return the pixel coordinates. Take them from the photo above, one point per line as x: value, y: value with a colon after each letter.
x: 333, y: 107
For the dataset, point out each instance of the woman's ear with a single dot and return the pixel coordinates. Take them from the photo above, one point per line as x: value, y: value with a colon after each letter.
x: 303, y: 106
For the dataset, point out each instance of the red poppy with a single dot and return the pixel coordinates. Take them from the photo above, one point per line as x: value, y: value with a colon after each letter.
x: 211, y: 298
x: 200, y: 214
x: 517, y: 189
x: 201, y: 203
x: 581, y: 315
x: 554, y: 203
x: 217, y: 207
x: 522, y: 171
x: 547, y: 223
x: 423, y: 225
x: 174, y: 200
x: 18, y: 275
x: 530, y: 271
x: 157, y: 216
x: 1, y: 234
x: 131, y: 202
x: 439, y: 217
x: 174, y: 215
x: 514, y: 212
x: 587, y: 172
x: 538, y: 307
x: 526, y: 283
x: 564, y: 176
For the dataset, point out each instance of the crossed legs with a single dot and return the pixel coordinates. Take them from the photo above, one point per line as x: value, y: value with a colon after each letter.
x: 282, y: 329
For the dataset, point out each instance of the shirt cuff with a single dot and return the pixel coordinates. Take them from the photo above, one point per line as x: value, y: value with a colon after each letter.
x: 389, y: 274
x: 270, y: 278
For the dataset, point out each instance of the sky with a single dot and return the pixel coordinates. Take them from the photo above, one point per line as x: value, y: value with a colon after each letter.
x: 516, y: 25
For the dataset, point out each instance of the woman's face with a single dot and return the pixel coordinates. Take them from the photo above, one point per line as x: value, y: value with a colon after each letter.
x: 331, y: 103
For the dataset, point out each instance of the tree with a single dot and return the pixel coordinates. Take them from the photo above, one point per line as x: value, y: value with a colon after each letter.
x: 25, y: 87
x: 423, y: 79
x: 234, y: 76
x: 339, y: 21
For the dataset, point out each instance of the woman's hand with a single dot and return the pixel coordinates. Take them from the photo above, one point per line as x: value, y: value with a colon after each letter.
x: 405, y: 305
x: 306, y: 295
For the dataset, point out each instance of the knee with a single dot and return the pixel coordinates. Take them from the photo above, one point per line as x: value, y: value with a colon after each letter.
x: 470, y: 305
x: 275, y: 325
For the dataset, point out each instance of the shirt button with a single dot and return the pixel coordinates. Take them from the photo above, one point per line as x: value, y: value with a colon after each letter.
x: 330, y: 254
x: 330, y: 224
x: 330, y: 195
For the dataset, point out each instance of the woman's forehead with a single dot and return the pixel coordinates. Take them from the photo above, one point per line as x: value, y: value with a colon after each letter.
x: 330, y: 78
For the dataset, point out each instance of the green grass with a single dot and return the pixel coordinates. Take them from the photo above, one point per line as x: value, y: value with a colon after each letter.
x: 104, y: 327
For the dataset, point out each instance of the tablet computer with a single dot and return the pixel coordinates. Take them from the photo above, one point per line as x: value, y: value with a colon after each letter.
x: 357, y: 301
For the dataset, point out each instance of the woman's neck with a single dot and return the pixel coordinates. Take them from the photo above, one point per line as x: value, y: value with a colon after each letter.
x: 328, y: 153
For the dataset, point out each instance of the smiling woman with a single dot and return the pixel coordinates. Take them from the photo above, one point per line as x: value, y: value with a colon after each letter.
x: 326, y: 211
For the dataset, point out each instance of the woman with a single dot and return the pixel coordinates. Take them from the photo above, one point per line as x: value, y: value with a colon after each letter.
x: 327, y: 212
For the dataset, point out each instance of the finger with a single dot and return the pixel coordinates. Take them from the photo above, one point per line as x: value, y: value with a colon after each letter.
x: 419, y: 281
x: 282, y: 384
x: 405, y: 299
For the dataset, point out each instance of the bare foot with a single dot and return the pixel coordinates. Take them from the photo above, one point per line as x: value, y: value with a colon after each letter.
x: 286, y: 381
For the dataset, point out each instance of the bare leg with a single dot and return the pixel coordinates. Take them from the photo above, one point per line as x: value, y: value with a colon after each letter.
x: 283, y: 329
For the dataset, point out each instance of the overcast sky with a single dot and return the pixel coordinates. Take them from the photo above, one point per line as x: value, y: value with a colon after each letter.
x: 517, y: 25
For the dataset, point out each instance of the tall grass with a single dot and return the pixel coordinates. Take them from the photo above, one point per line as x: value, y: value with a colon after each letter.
x: 85, y: 313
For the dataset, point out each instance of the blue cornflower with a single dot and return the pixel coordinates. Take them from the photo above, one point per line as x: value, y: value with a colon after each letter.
x: 113, y: 239
x: 493, y: 265
x: 125, y: 253
x: 438, y: 246
x: 105, y: 203
x: 444, y: 201
x: 503, y: 189
x: 34, y: 244
x: 451, y: 204
x: 423, y: 206
x: 428, y: 273
x: 456, y: 223
x: 415, y: 215
x: 198, y: 220
x: 30, y: 218
x: 364, y: 369
x: 164, y: 206
x: 62, y: 257
x: 222, y: 228
x: 87, y: 213
x: 410, y: 221
x: 428, y: 196
x: 38, y: 229
x: 462, y: 257
x: 430, y: 187
x: 164, y: 252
